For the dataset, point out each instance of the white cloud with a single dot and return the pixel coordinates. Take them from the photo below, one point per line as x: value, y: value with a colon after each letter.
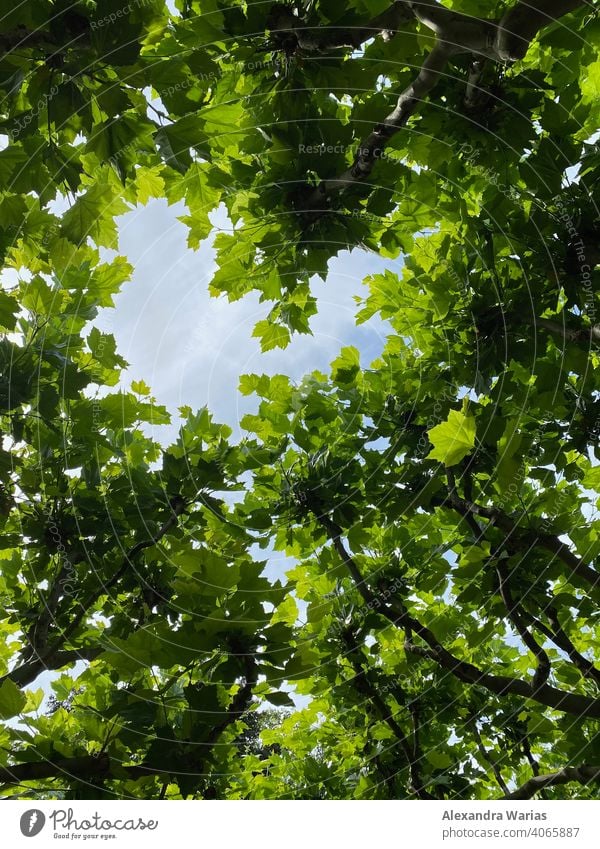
x: 191, y: 348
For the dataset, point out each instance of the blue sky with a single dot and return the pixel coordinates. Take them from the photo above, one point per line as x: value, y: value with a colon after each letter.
x: 192, y: 348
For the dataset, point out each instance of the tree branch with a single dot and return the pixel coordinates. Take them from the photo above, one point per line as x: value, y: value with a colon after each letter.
x: 38, y: 633
x: 176, y: 511
x: 293, y: 33
x: 397, y: 614
x: 475, y: 96
x: 501, y: 685
x: 240, y: 702
x: 372, y: 147
x: 523, y: 535
x: 48, y: 659
x: 517, y: 614
x: 561, y: 639
x: 535, y: 767
x: 102, y: 766
x: 521, y: 24
x: 23, y: 38
x: 501, y: 41
x: 570, y: 334
x: 28, y: 672
x: 417, y: 755
x: 512, y: 608
x: 488, y: 758
x: 368, y: 688
x: 582, y: 774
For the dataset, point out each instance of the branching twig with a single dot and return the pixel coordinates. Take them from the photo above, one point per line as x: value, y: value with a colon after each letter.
x: 372, y: 147
x: 464, y: 671
x: 582, y: 774
x: 501, y: 41
x: 512, y: 608
x: 488, y: 758
x: 364, y: 684
x: 561, y: 639
x: 52, y: 655
x: 518, y: 535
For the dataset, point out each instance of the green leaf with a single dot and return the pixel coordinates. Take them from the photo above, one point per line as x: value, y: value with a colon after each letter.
x: 9, y: 306
x: 12, y: 700
x: 453, y: 439
x: 140, y: 388
x: 150, y: 184
x: 39, y: 297
x: 271, y: 335
x: 286, y: 612
x: 279, y: 699
x: 92, y: 216
x: 346, y: 366
x: 104, y: 349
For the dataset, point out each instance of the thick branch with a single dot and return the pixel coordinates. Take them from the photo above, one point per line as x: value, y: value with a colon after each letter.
x: 28, y: 672
x: 79, y: 769
x: 501, y: 685
x: 87, y: 766
x: 570, y: 334
x: 372, y: 147
x: 523, y: 535
x: 38, y: 633
x: 506, y: 40
x: 521, y: 24
x: 22, y: 38
x: 581, y: 774
x: 293, y: 33
x: 501, y: 41
x: 458, y: 32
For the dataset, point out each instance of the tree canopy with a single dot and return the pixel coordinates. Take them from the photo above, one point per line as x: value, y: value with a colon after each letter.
x: 440, y: 620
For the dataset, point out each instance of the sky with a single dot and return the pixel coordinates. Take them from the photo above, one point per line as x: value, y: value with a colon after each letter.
x: 191, y: 348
